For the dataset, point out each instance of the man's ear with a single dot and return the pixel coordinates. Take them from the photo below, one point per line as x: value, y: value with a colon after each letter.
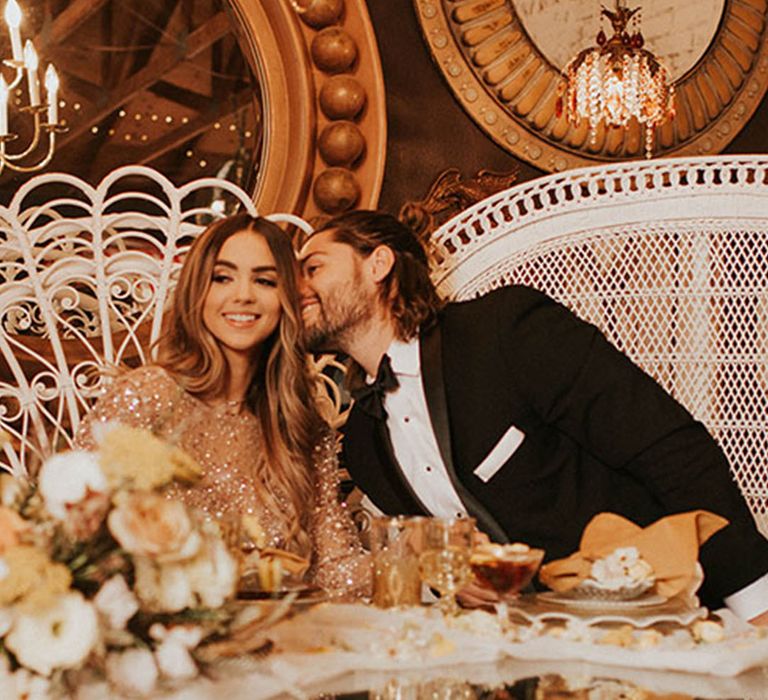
x: 381, y: 262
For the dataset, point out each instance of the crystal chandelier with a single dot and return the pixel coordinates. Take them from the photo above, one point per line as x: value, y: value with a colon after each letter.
x: 44, y: 116
x: 618, y: 80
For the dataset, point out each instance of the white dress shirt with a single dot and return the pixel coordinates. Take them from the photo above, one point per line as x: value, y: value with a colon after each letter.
x: 412, y: 436
x: 416, y: 449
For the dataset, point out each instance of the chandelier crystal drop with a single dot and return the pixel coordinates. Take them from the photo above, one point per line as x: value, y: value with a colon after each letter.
x: 23, y: 65
x: 618, y: 80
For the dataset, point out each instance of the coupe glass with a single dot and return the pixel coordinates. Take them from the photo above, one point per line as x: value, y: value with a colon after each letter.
x: 505, y: 569
x: 444, y: 561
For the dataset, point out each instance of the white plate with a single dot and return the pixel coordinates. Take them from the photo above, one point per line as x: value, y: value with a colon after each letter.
x: 573, y: 601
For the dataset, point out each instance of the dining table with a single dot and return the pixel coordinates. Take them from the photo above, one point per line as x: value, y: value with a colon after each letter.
x: 323, y: 649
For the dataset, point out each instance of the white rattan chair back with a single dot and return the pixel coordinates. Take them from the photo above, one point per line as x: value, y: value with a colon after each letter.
x: 668, y: 258
x: 85, y: 275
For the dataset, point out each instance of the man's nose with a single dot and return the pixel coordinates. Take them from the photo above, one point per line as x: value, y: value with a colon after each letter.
x: 304, y: 289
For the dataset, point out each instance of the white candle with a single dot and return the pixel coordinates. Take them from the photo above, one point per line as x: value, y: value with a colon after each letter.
x: 30, y: 60
x: 52, y: 90
x: 13, y: 20
x: 3, y: 107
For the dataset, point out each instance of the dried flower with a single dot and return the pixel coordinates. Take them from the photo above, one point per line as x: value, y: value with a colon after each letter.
x: 135, y: 458
x: 173, y: 654
x: 116, y: 602
x: 134, y: 671
x: 29, y: 578
x: 11, y: 525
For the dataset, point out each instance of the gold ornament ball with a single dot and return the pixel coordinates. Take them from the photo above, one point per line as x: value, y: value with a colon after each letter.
x: 336, y: 190
x: 333, y: 50
x: 341, y: 143
x: 320, y: 13
x: 342, y: 97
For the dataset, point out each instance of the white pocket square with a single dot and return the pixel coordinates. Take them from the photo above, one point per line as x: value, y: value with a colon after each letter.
x: 500, y: 453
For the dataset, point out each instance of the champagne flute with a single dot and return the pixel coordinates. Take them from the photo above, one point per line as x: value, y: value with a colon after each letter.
x: 444, y: 561
x: 505, y: 569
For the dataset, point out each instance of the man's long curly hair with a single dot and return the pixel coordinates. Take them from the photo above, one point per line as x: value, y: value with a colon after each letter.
x: 407, y: 290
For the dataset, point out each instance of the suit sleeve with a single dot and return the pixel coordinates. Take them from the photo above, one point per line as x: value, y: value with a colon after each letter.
x: 579, y: 383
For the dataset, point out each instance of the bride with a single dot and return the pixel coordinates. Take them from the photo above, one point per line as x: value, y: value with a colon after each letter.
x: 230, y: 386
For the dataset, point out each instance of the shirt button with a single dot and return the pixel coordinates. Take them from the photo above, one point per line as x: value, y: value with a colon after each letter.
x: 459, y: 515
x: 428, y: 468
x: 407, y: 419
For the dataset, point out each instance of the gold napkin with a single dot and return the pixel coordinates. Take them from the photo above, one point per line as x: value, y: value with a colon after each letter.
x: 670, y: 546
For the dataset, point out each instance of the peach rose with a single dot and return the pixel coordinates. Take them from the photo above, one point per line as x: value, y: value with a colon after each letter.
x: 150, y: 525
x: 11, y: 524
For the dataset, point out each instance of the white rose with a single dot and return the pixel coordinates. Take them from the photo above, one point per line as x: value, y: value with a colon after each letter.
x: 60, y: 636
x: 213, y: 573
x: 172, y: 654
x: 116, y: 602
x: 163, y: 587
x: 133, y: 672
x: 67, y: 478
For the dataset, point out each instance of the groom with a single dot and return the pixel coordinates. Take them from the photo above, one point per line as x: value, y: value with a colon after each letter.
x: 510, y: 409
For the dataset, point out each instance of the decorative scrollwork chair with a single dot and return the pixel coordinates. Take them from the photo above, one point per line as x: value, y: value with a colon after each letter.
x: 668, y: 258
x: 85, y: 274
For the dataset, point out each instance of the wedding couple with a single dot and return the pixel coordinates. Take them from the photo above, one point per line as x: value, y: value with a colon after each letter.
x: 507, y: 408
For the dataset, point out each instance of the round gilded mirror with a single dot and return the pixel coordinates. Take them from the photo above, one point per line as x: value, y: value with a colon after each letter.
x: 678, y: 33
x: 503, y: 60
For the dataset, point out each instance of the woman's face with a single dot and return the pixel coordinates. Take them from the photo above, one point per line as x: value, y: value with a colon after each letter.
x: 242, y: 308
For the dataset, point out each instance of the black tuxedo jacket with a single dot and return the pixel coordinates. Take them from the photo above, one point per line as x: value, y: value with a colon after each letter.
x: 599, y: 435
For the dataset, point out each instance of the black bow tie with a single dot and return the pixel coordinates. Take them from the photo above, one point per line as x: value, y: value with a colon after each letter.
x: 370, y: 397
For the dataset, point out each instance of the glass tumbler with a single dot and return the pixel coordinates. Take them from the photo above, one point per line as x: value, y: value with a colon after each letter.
x: 396, y: 544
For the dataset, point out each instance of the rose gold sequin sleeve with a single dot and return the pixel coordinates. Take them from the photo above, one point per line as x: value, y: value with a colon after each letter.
x: 340, y: 564
x: 142, y: 398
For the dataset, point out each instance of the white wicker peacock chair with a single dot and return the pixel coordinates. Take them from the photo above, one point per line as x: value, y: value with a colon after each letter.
x: 85, y: 274
x: 669, y: 258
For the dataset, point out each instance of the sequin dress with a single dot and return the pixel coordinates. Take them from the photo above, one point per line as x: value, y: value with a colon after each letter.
x: 224, y: 440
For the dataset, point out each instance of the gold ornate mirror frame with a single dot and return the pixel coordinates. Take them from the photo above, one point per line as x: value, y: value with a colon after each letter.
x: 510, y: 89
x: 324, y: 135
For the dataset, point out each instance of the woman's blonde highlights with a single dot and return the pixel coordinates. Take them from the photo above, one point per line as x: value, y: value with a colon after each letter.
x: 280, y: 393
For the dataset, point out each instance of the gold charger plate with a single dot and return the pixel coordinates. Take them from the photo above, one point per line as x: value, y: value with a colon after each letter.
x: 590, y: 603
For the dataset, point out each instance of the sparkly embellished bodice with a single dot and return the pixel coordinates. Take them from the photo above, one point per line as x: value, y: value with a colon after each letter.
x: 224, y: 439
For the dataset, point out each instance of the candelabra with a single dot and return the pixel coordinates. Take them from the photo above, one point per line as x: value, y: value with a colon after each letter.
x: 619, y: 80
x: 24, y: 63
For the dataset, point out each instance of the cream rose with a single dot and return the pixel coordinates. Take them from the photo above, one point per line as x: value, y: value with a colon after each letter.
x: 149, y: 525
x: 67, y: 479
x: 61, y: 636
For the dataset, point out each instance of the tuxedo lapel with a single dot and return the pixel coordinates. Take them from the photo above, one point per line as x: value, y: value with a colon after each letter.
x: 430, y: 349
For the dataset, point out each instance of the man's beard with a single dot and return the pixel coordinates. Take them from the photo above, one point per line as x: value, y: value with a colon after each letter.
x: 339, y: 316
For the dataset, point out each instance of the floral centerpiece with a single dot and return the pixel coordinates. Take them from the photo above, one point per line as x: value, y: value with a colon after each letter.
x: 101, y: 573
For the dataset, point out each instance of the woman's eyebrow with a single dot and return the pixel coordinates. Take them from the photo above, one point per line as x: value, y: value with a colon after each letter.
x: 232, y: 266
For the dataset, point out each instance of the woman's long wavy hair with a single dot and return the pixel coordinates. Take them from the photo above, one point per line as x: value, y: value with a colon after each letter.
x: 280, y: 394
x: 407, y: 290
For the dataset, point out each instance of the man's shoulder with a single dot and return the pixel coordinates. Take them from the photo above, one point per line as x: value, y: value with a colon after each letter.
x: 514, y: 298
